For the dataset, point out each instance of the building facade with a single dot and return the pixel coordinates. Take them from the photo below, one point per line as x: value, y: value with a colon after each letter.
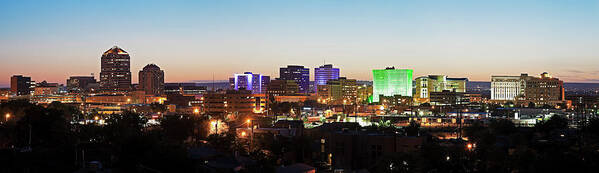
x: 187, y: 89
x: 437, y: 83
x: 542, y: 90
x: 297, y: 73
x: 528, y: 89
x: 80, y: 83
x: 256, y: 83
x: 115, y: 73
x: 279, y: 87
x: 391, y: 81
x: 45, y: 88
x: 339, y: 91
x: 20, y: 85
x: 323, y: 74
x: 505, y: 87
x: 364, y: 94
x: 151, y: 80
x: 448, y: 98
x: 234, y: 102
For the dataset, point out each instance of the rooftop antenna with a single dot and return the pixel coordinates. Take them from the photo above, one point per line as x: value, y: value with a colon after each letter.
x: 213, y: 83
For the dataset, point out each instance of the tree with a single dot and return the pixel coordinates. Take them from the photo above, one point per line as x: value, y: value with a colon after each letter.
x: 502, y: 127
x: 509, y: 104
x: 156, y: 107
x: 425, y: 105
x: 556, y: 122
x: 177, y: 128
x: 413, y: 129
x: 546, y: 106
x: 42, y: 135
x: 531, y: 105
x: 125, y: 125
x: 592, y: 127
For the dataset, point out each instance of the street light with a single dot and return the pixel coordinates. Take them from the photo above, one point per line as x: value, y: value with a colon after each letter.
x: 470, y: 146
x: 7, y: 116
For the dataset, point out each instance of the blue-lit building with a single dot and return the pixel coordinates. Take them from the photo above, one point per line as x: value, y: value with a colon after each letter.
x: 297, y: 73
x: 325, y: 73
x: 249, y: 81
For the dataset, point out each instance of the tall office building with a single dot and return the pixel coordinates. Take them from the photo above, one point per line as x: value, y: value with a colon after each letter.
x: 256, y: 83
x: 323, y: 74
x: 297, y: 73
x: 151, y: 80
x: 391, y: 81
x: 115, y: 74
x: 425, y: 85
x: 79, y: 83
x: 20, y: 85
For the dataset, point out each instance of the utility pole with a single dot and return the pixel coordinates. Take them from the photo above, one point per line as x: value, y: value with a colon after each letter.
x: 251, y: 137
x: 29, y: 135
x: 216, y: 127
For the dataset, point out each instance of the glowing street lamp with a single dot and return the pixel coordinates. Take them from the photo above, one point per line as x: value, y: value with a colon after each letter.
x: 470, y: 146
x: 196, y: 111
x: 215, y: 124
x: 96, y: 118
x: 7, y: 116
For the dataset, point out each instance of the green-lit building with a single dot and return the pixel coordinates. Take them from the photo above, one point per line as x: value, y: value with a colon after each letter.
x: 391, y: 81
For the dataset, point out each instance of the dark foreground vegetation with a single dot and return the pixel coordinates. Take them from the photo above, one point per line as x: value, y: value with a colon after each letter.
x: 51, y: 139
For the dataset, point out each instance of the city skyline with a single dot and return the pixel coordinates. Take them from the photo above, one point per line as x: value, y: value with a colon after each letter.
x: 55, y: 40
x: 310, y: 86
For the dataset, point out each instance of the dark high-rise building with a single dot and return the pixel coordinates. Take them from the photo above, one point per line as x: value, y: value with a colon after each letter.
x: 323, y: 74
x: 115, y: 73
x: 279, y: 87
x: 20, y: 85
x: 79, y: 83
x: 297, y: 73
x: 151, y: 79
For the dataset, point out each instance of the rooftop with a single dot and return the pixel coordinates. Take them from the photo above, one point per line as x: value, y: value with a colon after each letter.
x: 116, y: 50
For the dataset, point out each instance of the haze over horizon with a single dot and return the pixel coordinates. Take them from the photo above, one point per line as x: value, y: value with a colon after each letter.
x: 52, y: 40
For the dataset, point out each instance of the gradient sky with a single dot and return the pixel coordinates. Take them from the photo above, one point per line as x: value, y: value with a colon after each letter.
x: 193, y: 40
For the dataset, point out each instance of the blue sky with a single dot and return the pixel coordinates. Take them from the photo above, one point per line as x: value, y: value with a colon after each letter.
x: 193, y: 40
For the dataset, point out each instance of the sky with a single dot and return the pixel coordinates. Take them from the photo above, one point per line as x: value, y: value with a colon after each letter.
x: 196, y: 40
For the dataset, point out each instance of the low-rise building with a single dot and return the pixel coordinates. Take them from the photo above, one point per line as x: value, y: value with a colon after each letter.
x: 279, y: 87
x: 426, y: 85
x: 234, y: 102
x: 525, y: 89
x: 339, y: 91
